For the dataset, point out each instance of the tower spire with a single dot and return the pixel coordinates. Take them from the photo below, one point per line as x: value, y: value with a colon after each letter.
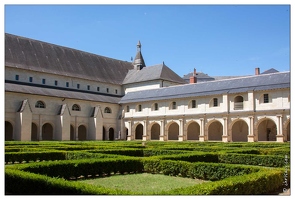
x: 138, y: 62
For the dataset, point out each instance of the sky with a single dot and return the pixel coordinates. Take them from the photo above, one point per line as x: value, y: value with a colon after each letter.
x: 218, y: 40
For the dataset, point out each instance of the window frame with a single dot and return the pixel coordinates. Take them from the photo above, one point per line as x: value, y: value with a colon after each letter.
x: 76, y: 107
x: 40, y: 104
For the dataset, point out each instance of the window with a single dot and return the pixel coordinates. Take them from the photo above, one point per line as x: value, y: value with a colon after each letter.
x: 116, y: 91
x: 88, y: 87
x: 40, y: 104
x: 238, y: 103
x: 67, y: 84
x: 55, y: 82
x: 156, y: 106
x: 78, y: 85
x: 139, y: 108
x: 76, y: 107
x: 97, y: 88
x: 265, y: 98
x: 43, y: 81
x: 215, y: 102
x: 17, y: 77
x: 107, y: 110
x: 127, y: 109
x: 173, y: 105
x: 194, y: 105
x: 31, y: 79
x: 107, y: 90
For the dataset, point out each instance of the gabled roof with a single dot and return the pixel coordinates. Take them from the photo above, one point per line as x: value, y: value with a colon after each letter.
x: 201, y: 77
x: 235, y: 85
x: 40, y: 56
x: 156, y: 72
x: 271, y: 70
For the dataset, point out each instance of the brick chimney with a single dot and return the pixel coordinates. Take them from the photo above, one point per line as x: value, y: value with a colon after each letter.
x: 193, y: 79
x: 257, y: 71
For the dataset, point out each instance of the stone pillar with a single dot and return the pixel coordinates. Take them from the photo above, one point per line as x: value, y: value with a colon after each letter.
x: 202, y: 131
x: 251, y: 137
x: 225, y: 135
x: 162, y: 131
x: 280, y: 136
x: 40, y: 128
x: 129, y: 138
x: 181, y: 136
x: 76, y: 129
x: 144, y: 134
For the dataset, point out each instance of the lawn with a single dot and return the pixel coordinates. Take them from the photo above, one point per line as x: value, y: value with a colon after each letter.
x: 144, y: 183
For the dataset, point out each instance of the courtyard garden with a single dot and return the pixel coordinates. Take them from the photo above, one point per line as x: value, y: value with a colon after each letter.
x: 146, y: 168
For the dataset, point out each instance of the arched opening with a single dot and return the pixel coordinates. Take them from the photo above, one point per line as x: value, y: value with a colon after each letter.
x: 8, y: 131
x: 103, y: 133
x: 215, y: 131
x: 173, y: 131
x: 288, y: 132
x: 40, y: 104
x: 240, y: 131
x: 238, y: 103
x: 107, y: 110
x: 72, y: 133
x: 193, y: 131
x: 155, y: 132
x: 76, y: 107
x: 111, y: 134
x: 82, y: 132
x: 267, y: 130
x: 126, y: 131
x: 47, y: 132
x: 34, y: 132
x: 139, y: 132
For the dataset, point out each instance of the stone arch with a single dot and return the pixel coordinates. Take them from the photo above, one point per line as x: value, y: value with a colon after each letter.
x: 47, y: 131
x: 138, y: 131
x: 239, y: 131
x: 8, y: 131
x: 155, y: 131
x: 193, y: 130
x: 111, y: 134
x: 266, y: 130
x: 173, y: 131
x: 72, y: 133
x: 215, y: 130
x: 82, y: 132
x: 34, y: 132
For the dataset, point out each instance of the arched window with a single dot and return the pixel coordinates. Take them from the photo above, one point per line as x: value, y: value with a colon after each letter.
x: 214, y: 102
x: 238, y: 103
x: 192, y: 104
x: 107, y: 110
x: 173, y: 106
x: 127, y: 109
x: 155, y: 107
x: 40, y: 104
x: 76, y: 107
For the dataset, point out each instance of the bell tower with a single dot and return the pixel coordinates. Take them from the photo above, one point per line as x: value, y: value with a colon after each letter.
x: 138, y: 62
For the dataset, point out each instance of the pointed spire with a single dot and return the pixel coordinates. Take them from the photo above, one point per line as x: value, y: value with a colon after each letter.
x: 138, y: 60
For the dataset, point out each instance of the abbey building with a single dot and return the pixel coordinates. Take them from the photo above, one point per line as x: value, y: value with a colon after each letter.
x: 58, y: 93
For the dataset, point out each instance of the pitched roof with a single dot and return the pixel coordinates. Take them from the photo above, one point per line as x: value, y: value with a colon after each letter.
x: 271, y: 70
x: 201, y: 77
x: 235, y: 85
x: 40, y: 56
x: 156, y: 72
x: 82, y: 95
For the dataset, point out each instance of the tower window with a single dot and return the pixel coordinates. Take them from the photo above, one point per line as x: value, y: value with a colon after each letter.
x: 67, y: 84
x: 107, y: 90
x: 116, y: 91
x: 55, y: 82
x: 78, y: 85
x: 43, y: 81
x: 97, y: 88
x: 31, y: 79
x: 17, y: 77
x: 88, y: 87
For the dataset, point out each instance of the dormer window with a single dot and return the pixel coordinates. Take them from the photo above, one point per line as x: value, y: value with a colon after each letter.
x: 107, y: 110
x: 40, y: 104
x: 76, y: 107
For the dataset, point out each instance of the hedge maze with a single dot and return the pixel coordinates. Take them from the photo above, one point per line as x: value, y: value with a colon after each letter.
x: 55, y: 168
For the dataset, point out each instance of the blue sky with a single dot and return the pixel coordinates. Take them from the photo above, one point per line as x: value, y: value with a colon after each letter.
x: 218, y: 40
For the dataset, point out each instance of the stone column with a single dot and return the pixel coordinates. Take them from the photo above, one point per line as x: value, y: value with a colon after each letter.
x: 162, y: 131
x: 144, y: 134
x: 251, y: 137
x: 280, y: 136
x: 129, y: 138
x: 181, y: 136
x: 202, y: 131
x: 225, y: 135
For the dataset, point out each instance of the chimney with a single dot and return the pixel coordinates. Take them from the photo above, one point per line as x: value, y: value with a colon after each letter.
x: 257, y: 71
x: 193, y: 79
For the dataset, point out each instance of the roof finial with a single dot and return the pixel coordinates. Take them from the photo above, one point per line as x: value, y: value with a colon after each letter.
x: 138, y: 46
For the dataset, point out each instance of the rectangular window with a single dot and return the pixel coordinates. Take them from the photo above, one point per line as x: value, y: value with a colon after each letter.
x: 107, y: 90
x: 139, y: 108
x: 88, y: 87
x: 67, y: 84
x: 31, y: 79
x: 215, y: 102
x: 156, y: 106
x: 43, y: 80
x: 116, y: 91
x: 78, y: 85
x: 55, y: 82
x: 17, y: 77
x: 174, y: 105
x: 194, y: 104
x: 97, y: 88
x: 265, y: 98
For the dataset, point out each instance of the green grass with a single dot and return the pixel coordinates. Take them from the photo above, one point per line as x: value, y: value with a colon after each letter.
x: 144, y: 183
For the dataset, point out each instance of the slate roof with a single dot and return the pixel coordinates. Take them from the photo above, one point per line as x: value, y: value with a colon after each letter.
x: 11, y: 87
x: 156, y: 72
x: 236, y: 85
x: 201, y: 77
x: 271, y: 70
x: 40, y: 56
